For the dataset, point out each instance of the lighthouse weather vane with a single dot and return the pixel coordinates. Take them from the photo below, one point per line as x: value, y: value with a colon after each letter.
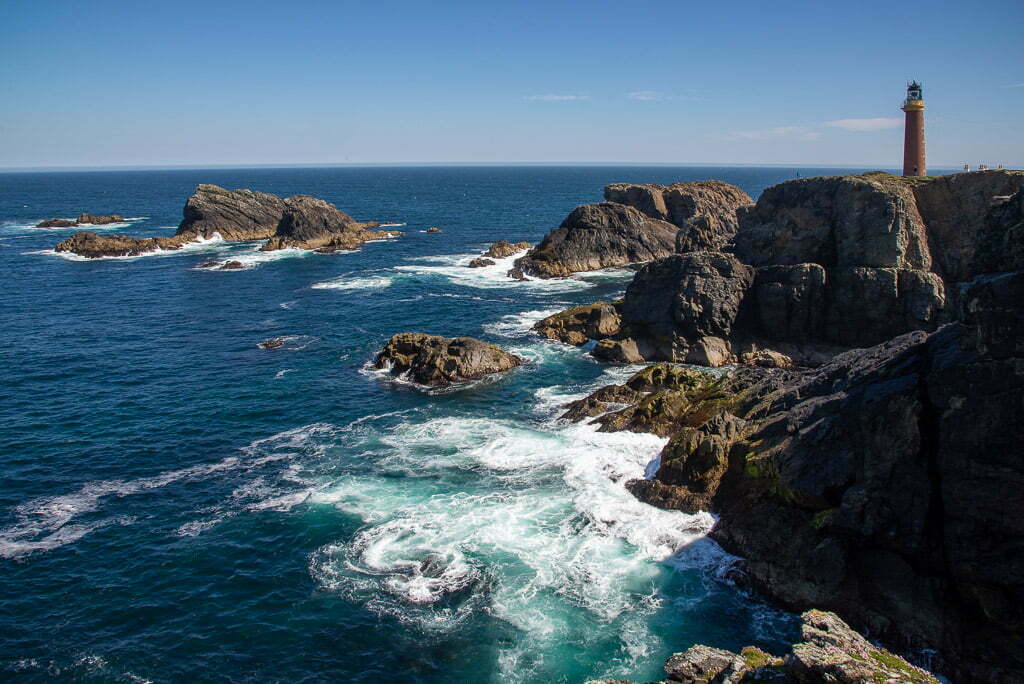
x: 913, y: 132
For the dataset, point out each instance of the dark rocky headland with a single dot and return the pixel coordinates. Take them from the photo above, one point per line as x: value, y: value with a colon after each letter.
x: 301, y: 221
x: 884, y: 479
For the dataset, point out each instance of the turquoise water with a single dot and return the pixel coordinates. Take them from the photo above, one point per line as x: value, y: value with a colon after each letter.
x: 180, y: 504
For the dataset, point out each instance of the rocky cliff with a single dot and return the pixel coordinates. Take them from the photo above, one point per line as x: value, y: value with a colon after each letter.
x: 234, y: 214
x: 822, y: 264
x: 884, y: 485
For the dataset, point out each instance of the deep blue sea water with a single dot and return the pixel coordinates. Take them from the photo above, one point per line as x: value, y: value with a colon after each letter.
x: 180, y: 504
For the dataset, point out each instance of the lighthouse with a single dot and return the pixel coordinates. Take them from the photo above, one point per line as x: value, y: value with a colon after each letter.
x: 913, y: 132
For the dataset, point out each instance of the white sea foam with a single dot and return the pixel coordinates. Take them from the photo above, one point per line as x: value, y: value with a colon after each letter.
x: 518, y: 325
x: 349, y: 283
x: 34, y: 227
x: 554, y: 534
x: 50, y: 522
x: 455, y: 267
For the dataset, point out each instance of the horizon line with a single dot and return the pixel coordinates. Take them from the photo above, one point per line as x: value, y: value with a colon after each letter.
x: 412, y: 164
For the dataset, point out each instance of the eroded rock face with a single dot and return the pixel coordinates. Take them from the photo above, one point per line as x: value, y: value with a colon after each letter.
x: 234, y: 214
x: 579, y: 324
x: 596, y: 236
x: 434, y: 360
x: 311, y: 223
x: 674, y: 305
x: 705, y: 211
x: 838, y: 262
x: 892, y: 473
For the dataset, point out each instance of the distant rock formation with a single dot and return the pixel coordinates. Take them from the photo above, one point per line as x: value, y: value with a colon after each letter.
x: 596, y: 236
x: 819, y: 265
x: 831, y: 652
x: 311, y: 223
x: 481, y: 262
x: 232, y: 214
x: 432, y: 229
x: 83, y: 219
x: 434, y: 360
x: 884, y: 485
x: 301, y: 221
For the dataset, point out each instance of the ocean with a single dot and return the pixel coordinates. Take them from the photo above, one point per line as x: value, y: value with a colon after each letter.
x: 180, y: 504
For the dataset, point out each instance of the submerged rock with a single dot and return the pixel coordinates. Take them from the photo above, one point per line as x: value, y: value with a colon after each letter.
x: 596, y: 236
x: 435, y: 360
x: 432, y: 229
x: 272, y: 343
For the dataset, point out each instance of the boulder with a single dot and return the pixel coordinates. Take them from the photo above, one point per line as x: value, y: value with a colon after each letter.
x: 433, y: 229
x: 272, y: 343
x: 700, y: 664
x: 434, y: 360
x: 480, y: 262
x: 233, y: 214
x: 502, y: 249
x: 579, y: 324
x: 596, y: 236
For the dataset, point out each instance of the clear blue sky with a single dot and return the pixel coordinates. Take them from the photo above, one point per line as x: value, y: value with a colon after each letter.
x: 222, y: 82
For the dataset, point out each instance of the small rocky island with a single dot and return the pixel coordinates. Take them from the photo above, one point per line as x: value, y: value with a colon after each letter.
x: 301, y: 221
x: 82, y: 220
x: 433, y: 360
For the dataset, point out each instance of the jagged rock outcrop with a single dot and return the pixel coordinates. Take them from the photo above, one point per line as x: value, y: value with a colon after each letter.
x: 884, y: 485
x: 233, y: 214
x: 705, y: 211
x: 596, y: 236
x: 480, y: 262
x: 311, y: 223
x: 836, y: 262
x: 502, y: 249
x: 435, y: 360
x: 830, y: 653
x: 301, y: 221
x: 579, y: 324
x: 57, y: 223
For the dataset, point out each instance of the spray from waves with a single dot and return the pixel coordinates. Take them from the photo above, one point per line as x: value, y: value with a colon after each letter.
x: 455, y: 268
x: 528, y: 523
x: 518, y: 325
x: 349, y: 283
x: 50, y: 522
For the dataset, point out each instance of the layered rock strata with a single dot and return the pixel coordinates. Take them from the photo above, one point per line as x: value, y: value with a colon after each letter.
x: 434, y: 360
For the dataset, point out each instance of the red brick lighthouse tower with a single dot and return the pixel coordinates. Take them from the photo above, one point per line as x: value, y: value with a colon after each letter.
x: 913, y: 133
